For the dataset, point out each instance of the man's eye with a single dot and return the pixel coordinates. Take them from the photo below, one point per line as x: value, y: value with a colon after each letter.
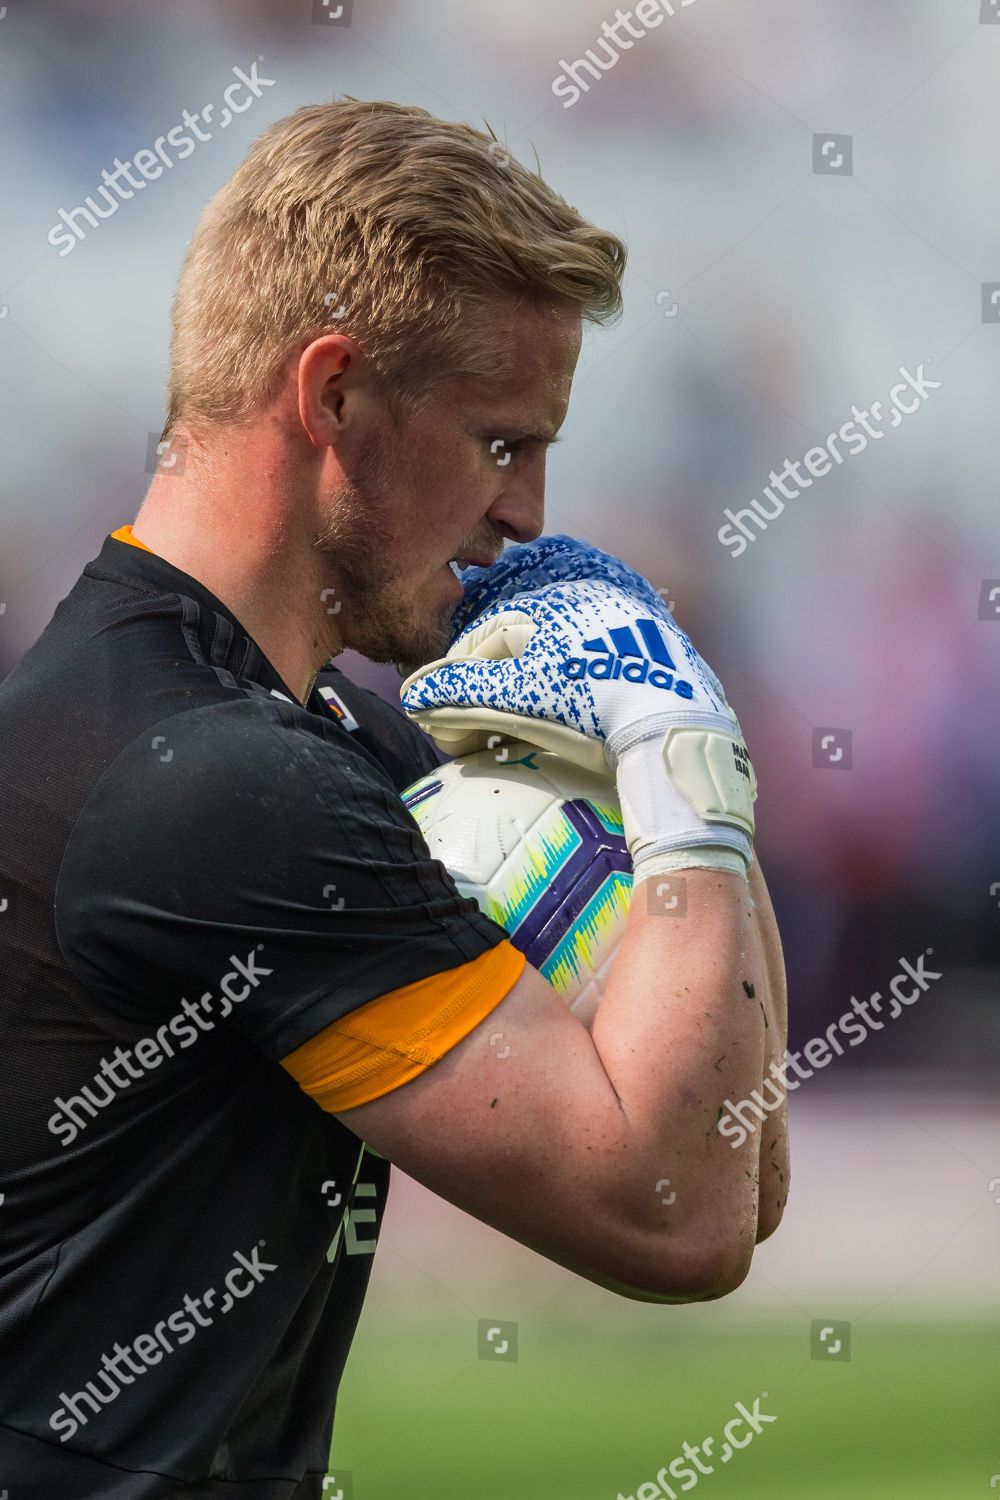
x: 506, y: 445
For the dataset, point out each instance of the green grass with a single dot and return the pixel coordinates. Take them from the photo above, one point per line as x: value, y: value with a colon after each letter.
x: 587, y: 1412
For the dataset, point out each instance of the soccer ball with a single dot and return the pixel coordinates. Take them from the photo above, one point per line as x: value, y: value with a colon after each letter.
x: 539, y: 844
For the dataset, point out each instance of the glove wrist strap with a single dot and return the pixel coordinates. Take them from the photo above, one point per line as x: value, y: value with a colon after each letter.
x: 659, y: 811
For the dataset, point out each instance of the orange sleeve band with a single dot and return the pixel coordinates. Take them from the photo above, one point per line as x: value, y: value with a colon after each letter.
x: 124, y: 534
x: 390, y: 1040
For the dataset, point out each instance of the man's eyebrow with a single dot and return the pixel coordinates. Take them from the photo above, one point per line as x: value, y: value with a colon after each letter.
x: 517, y: 432
x: 520, y: 434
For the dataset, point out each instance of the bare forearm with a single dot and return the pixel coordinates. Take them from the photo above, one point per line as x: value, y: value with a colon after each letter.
x: 681, y: 1028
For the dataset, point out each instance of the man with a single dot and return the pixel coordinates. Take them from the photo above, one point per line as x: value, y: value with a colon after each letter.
x: 234, y: 984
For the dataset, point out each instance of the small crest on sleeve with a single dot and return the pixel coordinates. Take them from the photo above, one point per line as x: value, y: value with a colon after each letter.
x: 338, y: 708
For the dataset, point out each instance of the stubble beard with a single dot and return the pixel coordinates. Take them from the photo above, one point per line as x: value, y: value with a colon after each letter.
x: 383, y: 624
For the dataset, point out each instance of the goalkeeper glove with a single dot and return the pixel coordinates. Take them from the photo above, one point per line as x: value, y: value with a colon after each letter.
x: 596, y: 669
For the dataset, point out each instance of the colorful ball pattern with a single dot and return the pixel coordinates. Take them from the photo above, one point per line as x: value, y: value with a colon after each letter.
x: 539, y: 845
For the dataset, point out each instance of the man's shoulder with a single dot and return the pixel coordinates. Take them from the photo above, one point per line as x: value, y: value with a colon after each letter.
x: 254, y: 816
x: 218, y: 808
x: 255, y: 748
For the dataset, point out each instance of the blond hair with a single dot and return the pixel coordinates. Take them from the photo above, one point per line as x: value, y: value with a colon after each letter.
x: 380, y: 221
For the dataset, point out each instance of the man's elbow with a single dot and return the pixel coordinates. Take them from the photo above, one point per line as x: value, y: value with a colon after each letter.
x: 673, y: 1272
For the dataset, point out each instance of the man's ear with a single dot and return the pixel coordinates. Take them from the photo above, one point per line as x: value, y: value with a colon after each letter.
x: 334, y: 389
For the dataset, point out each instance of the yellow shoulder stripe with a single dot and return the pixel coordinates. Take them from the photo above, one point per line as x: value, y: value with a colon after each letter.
x: 390, y: 1040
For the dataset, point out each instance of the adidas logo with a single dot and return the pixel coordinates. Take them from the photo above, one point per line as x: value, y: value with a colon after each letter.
x: 637, y: 652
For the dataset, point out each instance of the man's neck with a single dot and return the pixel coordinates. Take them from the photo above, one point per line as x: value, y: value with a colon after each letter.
x: 242, y: 552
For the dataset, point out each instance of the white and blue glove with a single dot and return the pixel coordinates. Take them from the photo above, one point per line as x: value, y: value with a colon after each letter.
x: 570, y: 649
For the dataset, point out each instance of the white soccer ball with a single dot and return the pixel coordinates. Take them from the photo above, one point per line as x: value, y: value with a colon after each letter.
x: 538, y: 843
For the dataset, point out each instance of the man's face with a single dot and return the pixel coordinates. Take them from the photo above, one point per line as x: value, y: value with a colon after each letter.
x: 454, y: 481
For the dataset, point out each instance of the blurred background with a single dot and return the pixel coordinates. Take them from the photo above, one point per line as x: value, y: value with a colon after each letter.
x: 809, y: 195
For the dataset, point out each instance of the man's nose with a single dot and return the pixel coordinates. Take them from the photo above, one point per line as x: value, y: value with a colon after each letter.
x: 519, y: 513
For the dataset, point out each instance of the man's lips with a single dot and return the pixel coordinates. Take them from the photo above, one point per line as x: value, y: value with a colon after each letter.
x: 464, y: 560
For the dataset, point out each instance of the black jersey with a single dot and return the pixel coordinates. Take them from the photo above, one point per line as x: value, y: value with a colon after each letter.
x: 197, y: 876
